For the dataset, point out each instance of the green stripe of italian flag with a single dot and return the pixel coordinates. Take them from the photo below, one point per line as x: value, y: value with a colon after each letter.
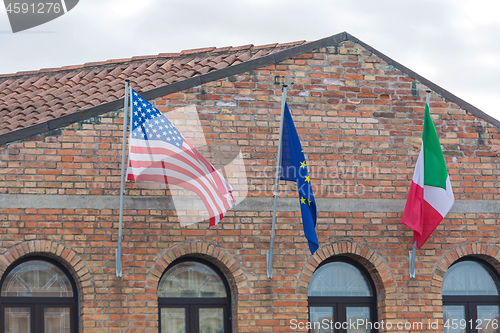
x: 431, y: 195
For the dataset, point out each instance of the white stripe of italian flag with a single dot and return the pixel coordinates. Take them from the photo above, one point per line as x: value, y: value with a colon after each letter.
x: 431, y: 196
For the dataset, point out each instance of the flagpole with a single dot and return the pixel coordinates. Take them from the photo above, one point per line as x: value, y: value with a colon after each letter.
x: 413, y: 253
x: 118, y: 252
x: 269, y: 254
x: 412, y: 260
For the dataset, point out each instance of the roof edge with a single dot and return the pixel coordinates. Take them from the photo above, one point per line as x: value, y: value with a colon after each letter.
x: 183, y: 53
x: 267, y: 60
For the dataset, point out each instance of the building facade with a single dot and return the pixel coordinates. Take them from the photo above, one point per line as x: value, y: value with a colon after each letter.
x: 359, y: 116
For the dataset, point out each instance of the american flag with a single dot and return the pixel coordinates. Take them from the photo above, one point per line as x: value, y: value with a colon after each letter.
x: 159, y: 153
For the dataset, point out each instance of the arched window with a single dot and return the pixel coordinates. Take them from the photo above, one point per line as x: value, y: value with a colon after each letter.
x: 194, y: 297
x: 38, y: 296
x: 470, y: 298
x: 341, y: 292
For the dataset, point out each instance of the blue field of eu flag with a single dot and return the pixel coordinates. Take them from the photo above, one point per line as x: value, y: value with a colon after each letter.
x: 294, y: 168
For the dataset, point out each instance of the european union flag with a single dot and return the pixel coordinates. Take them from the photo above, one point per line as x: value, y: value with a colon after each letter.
x: 294, y: 168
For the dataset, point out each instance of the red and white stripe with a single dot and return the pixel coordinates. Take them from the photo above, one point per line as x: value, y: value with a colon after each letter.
x: 158, y: 161
x: 426, y: 205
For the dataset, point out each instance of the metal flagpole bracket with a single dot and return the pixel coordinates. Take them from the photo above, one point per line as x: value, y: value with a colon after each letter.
x: 428, y: 99
x: 282, y: 80
x: 413, y: 253
x: 118, y: 251
x: 269, y: 254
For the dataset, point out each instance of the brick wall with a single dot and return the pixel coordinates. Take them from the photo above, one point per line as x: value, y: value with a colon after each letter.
x: 360, y: 123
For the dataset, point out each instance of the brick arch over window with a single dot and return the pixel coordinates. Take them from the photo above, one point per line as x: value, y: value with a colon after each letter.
x: 488, y: 252
x: 217, y: 255
x: 60, y: 252
x: 371, y: 260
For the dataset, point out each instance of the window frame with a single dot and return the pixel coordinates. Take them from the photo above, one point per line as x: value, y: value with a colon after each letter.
x: 471, y: 302
x: 193, y: 304
x: 38, y: 304
x: 341, y: 303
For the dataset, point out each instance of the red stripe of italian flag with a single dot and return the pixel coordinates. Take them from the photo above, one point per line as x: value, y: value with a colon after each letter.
x: 431, y: 195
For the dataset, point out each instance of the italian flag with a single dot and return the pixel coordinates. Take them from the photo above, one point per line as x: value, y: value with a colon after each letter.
x: 431, y: 196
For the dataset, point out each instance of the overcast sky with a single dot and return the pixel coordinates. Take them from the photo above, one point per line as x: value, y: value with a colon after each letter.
x: 453, y: 43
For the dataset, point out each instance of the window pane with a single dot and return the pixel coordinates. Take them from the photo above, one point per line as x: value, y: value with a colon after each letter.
x: 37, y: 278
x: 469, y: 278
x: 173, y: 320
x: 488, y: 316
x: 453, y: 316
x: 321, y: 319
x: 211, y: 320
x: 56, y: 320
x: 360, y: 316
x: 338, y: 279
x: 191, y: 279
x: 17, y: 320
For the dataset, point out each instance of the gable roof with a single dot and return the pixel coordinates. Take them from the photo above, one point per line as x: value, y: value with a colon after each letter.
x: 39, y: 101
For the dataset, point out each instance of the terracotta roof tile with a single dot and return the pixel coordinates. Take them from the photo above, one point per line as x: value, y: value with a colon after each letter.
x: 202, y: 50
x: 142, y: 57
x: 168, y: 55
x: 245, y: 56
x: 116, y: 61
x: 40, y: 81
x: 151, y: 70
x: 292, y: 43
x: 49, y: 70
x: 94, y: 64
x: 230, y: 59
x: 243, y: 47
x: 65, y: 68
x: 222, y: 49
x: 268, y: 46
x: 89, y: 77
x: 142, y: 68
x: 220, y: 65
x: 115, y: 72
x: 204, y: 70
x: 102, y: 75
x: 31, y: 97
